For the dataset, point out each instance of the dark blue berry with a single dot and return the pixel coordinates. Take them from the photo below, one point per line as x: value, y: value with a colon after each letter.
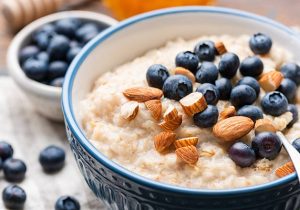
x: 205, y: 50
x: 47, y: 28
x: 74, y: 43
x: 293, y: 109
x: 72, y: 53
x: 35, y: 69
x: 274, y: 103
x: 210, y: 93
x: 296, y: 144
x: 251, y: 82
x: 43, y: 56
x: 28, y: 52
x: 266, y: 145
x: 242, y: 154
x: 177, y: 86
x: 156, y: 75
x: 58, y: 47
x: 187, y: 60
x: 67, y: 203
x: 242, y: 95
x: 250, y: 111
x: 288, y: 88
x: 206, y: 118
x: 14, y: 170
x: 42, y: 40
x: 86, y: 31
x: 57, y: 69
x: 224, y: 87
x: 6, y: 150
x: 67, y: 27
x: 58, y: 82
x: 291, y: 71
x: 229, y: 65
x: 52, y: 159
x: 14, y: 197
x: 1, y: 164
x: 252, y: 66
x: 260, y: 43
x: 207, y: 73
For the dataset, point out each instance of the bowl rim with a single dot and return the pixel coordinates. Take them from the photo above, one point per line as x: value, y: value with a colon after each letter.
x: 14, y: 67
x: 101, y: 158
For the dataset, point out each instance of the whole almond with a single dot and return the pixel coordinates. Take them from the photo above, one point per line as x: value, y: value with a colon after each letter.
x: 186, y: 142
x: 285, y: 169
x: 171, y: 125
x: 264, y: 125
x: 142, y: 94
x: 227, y: 112
x: 271, y: 81
x: 155, y: 108
x: 193, y: 103
x: 163, y: 140
x: 171, y: 113
x: 185, y: 72
x: 233, y: 128
x: 188, y: 154
x: 220, y: 48
x: 129, y: 110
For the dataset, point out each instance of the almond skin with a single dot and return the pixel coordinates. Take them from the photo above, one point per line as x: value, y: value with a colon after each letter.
x: 163, y: 140
x: 185, y: 72
x: 155, y: 108
x: 285, y: 169
x: 186, y: 142
x: 171, y: 125
x: 171, y: 113
x: 271, y: 81
x: 233, y: 128
x: 227, y: 112
x: 188, y: 154
x: 129, y: 110
x: 220, y: 48
x: 264, y: 125
x: 142, y: 94
x: 193, y: 103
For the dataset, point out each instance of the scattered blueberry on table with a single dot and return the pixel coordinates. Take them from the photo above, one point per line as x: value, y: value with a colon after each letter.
x: 14, y: 197
x: 14, y: 170
x: 6, y: 150
x: 52, y: 159
x: 67, y: 203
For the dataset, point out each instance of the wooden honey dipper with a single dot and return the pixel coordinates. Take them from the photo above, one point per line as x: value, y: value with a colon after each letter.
x: 18, y: 13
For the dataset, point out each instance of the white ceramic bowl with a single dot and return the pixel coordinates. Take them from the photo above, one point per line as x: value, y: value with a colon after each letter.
x: 45, y: 98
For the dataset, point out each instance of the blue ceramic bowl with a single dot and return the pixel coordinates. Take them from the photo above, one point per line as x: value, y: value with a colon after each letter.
x: 122, y: 189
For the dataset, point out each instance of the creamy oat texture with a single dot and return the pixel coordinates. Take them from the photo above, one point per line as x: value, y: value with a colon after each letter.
x: 130, y: 144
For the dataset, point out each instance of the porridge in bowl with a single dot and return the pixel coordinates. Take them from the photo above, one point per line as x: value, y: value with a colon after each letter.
x: 207, y: 120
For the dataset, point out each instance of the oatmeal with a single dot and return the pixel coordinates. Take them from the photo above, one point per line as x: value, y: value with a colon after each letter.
x: 129, y: 131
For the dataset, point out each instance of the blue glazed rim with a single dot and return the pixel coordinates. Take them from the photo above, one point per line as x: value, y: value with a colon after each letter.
x: 85, y: 143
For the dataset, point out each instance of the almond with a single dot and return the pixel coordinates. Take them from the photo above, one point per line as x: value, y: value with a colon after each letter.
x: 188, y: 154
x: 129, y: 110
x: 163, y: 140
x: 233, y: 128
x: 285, y: 169
x: 220, y: 48
x: 155, y: 108
x: 185, y: 72
x: 227, y: 112
x: 271, y: 81
x: 186, y: 142
x: 193, y: 103
x: 171, y: 125
x: 263, y: 125
x: 142, y: 94
x: 204, y: 153
x: 171, y: 113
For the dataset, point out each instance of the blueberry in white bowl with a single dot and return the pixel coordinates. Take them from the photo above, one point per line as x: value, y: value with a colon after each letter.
x: 156, y: 75
x: 250, y: 81
x: 294, y: 110
x: 274, y: 103
x: 291, y: 71
x: 228, y: 65
x: 210, y: 93
x: 289, y: 88
x: 224, y: 87
x: 260, y: 43
x: 242, y: 154
x: 207, y: 73
x: 251, y: 66
x: 177, y: 86
x: 242, y: 95
x: 205, y: 50
x: 207, y: 118
x: 250, y: 111
x: 187, y: 60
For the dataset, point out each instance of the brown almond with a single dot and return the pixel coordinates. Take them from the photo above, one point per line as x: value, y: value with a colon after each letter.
x: 163, y: 140
x: 227, y: 112
x: 271, y: 81
x: 155, y: 108
x: 142, y: 94
x: 285, y: 169
x: 188, y: 154
x: 186, y: 142
x: 129, y: 110
x: 264, y: 125
x: 171, y: 113
x: 220, y: 48
x: 171, y: 125
x: 233, y: 128
x: 193, y: 103
x: 185, y: 72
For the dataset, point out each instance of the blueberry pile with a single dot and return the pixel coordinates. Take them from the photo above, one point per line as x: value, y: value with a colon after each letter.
x: 52, y: 48
x: 217, y: 83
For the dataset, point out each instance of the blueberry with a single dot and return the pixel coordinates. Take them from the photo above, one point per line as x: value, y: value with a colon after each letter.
x: 288, y: 88
x: 47, y: 28
x: 210, y: 93
x: 229, y: 65
x: 250, y: 111
x: 43, y: 56
x: 207, y: 73
x: 42, y: 40
x: 242, y: 95
x: 251, y: 82
x: 296, y: 144
x: 274, y: 103
x: 88, y: 37
x: 57, y: 69
x: 260, y: 43
x: 58, y: 47
x: 67, y: 203
x: 85, y: 30
x: 177, y: 86
x: 14, y: 170
x: 242, y: 154
x: 187, y: 60
x: 1, y: 164
x: 28, y: 52
x: 35, y: 69
x: 14, y: 197
x: 156, y: 75
x: 206, y: 118
x: 58, y: 82
x: 266, y: 145
x: 291, y: 71
x: 52, y: 158
x: 6, y: 150
x: 252, y: 66
x: 74, y: 43
x: 205, y: 50
x: 67, y: 27
x: 224, y: 87
x: 72, y: 53
x: 293, y: 109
